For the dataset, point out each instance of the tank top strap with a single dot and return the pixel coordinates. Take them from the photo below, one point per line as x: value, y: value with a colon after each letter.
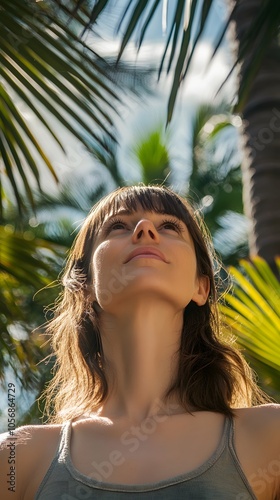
x: 226, y: 436
x: 232, y: 450
x: 229, y: 429
x: 231, y: 432
x: 64, y: 444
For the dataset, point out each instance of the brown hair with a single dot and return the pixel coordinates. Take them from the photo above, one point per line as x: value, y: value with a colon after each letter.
x: 212, y: 375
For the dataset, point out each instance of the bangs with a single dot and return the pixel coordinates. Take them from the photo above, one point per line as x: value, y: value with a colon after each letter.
x: 149, y: 198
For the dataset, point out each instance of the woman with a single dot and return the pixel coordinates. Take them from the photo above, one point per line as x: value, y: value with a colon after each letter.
x: 157, y: 406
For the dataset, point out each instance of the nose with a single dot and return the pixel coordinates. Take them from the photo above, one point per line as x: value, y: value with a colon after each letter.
x: 145, y: 229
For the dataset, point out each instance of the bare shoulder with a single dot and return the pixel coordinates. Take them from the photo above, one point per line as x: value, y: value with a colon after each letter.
x: 24, y: 454
x: 29, y: 436
x: 257, y: 442
x: 262, y: 421
x: 264, y: 417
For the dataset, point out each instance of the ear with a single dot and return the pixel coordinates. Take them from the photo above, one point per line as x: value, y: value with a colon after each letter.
x: 201, y: 293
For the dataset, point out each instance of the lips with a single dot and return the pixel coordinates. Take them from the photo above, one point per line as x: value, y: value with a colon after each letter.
x: 145, y: 252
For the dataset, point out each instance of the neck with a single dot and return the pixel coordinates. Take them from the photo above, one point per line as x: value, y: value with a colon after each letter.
x: 140, y: 346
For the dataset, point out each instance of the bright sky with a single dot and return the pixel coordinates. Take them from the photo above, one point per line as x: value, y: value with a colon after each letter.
x: 200, y: 86
x: 140, y: 117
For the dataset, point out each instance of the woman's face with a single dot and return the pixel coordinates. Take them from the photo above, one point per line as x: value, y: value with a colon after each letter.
x: 146, y: 253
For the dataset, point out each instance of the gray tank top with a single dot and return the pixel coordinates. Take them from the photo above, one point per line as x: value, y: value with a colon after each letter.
x: 219, y: 478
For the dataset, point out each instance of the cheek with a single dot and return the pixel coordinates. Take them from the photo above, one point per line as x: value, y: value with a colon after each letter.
x: 104, y: 269
x: 100, y: 264
x: 107, y: 272
x: 186, y: 275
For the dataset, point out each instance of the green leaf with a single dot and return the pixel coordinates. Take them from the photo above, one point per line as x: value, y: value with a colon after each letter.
x: 46, y: 66
x: 252, y: 313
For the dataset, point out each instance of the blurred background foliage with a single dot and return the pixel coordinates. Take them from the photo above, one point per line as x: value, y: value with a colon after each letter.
x: 48, y: 68
x: 252, y: 314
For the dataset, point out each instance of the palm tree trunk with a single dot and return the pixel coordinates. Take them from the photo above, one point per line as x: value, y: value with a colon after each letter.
x: 261, y: 138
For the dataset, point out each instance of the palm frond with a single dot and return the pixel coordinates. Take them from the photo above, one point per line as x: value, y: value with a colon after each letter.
x: 23, y: 258
x: 152, y: 153
x: 27, y: 264
x: 252, y: 312
x: 183, y: 37
x: 48, y: 68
